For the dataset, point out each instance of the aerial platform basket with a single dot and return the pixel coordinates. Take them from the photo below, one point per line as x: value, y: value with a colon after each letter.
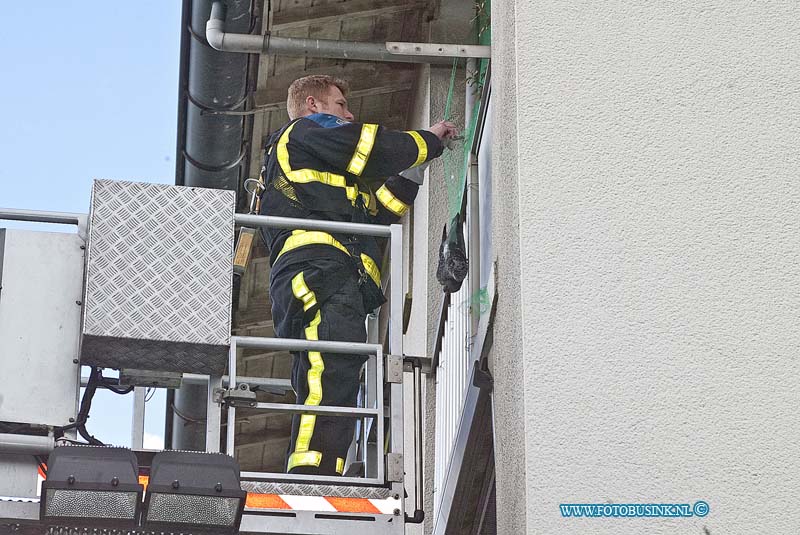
x: 158, y: 287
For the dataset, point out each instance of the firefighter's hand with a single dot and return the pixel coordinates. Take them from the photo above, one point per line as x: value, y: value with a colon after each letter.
x: 444, y: 130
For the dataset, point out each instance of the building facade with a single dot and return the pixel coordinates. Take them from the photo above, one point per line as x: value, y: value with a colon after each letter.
x: 627, y: 332
x: 645, y: 208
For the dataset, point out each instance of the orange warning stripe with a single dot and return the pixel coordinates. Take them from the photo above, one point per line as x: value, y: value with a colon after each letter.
x: 352, y: 505
x: 342, y: 505
x: 265, y: 501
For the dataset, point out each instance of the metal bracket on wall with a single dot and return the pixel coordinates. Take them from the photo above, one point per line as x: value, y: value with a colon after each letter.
x: 240, y: 396
x: 423, y: 363
x: 394, y: 369
x: 438, y: 49
x: 157, y: 379
x: 394, y: 467
x: 481, y: 376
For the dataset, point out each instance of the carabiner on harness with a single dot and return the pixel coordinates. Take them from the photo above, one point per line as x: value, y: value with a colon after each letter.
x: 254, y: 187
x: 247, y: 235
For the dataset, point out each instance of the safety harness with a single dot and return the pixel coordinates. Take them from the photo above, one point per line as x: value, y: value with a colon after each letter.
x: 363, y: 203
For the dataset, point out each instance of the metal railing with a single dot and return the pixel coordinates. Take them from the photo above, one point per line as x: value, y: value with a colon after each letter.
x: 375, y: 354
x: 452, y: 376
x: 376, y: 407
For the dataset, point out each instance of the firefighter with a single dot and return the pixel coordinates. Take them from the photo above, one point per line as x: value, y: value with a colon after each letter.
x: 322, y: 165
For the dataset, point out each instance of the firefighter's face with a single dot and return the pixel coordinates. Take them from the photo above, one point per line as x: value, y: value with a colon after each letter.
x: 335, y: 104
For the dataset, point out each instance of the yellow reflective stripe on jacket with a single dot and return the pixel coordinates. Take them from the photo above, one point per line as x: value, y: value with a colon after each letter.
x: 363, y: 149
x: 422, y: 147
x: 307, y: 176
x: 392, y: 203
x: 300, y: 238
x: 302, y: 456
x: 282, y: 152
x: 304, y: 176
x: 369, y: 202
x: 372, y: 269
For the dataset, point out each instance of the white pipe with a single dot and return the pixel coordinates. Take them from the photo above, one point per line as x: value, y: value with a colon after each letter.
x: 41, y: 216
x: 137, y: 420
x: 25, y: 444
x: 473, y: 200
x: 329, y: 48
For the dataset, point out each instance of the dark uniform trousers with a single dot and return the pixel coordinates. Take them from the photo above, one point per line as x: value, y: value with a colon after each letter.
x: 321, y: 302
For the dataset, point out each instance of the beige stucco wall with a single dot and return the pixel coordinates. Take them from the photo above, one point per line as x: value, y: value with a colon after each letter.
x: 655, y: 146
x: 415, y: 341
x: 506, y: 359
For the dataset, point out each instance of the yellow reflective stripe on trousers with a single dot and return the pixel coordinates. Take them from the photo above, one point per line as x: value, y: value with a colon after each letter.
x: 301, y: 291
x: 300, y: 238
x: 339, y: 465
x: 363, y: 149
x: 301, y: 455
x: 307, y: 458
x: 392, y: 203
x: 422, y: 147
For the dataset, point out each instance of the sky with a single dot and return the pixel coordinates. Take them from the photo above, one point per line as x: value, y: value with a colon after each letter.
x: 90, y: 90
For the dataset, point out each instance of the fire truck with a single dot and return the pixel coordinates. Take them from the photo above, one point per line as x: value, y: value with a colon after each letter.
x: 145, y: 287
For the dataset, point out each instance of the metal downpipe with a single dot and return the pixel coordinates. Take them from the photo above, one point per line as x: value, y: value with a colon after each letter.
x: 210, y: 148
x: 189, y: 418
x: 210, y: 155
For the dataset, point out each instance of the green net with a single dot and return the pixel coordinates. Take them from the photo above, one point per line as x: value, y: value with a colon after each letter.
x: 456, y: 158
x: 478, y: 303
